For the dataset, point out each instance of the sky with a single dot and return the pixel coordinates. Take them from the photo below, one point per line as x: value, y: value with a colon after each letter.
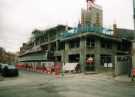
x: 18, y: 18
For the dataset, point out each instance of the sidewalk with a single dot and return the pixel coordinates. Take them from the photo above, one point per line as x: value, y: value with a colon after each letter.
x: 1, y: 78
x: 123, y: 78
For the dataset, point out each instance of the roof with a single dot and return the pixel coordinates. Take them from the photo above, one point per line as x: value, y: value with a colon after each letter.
x: 97, y: 34
x: 100, y: 32
x: 125, y: 33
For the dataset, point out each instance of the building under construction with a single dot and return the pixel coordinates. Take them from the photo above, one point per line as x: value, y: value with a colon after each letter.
x: 76, y: 44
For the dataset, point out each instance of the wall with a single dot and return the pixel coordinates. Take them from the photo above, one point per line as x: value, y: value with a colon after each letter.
x: 133, y: 54
x: 83, y: 51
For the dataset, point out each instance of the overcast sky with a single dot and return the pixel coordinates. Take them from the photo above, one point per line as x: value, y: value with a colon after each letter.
x: 19, y: 17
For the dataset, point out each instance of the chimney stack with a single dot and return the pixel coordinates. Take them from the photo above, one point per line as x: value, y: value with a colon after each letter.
x: 114, y: 29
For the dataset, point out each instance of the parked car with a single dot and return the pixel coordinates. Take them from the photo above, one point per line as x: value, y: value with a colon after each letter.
x: 9, y: 70
x: 2, y: 67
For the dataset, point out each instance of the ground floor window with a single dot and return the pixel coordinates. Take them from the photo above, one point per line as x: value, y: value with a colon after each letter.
x: 105, y: 59
x: 74, y: 58
x: 58, y: 58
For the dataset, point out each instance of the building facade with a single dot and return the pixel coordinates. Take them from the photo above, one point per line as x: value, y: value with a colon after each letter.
x: 76, y: 45
x: 134, y: 12
x: 67, y: 47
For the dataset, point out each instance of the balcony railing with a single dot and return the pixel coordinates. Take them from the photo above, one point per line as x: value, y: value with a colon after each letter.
x: 34, y: 57
x: 86, y: 29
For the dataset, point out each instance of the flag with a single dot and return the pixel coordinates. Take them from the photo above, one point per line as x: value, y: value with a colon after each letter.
x: 91, y: 1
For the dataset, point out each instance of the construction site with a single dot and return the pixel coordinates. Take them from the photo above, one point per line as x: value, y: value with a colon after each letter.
x: 89, y: 45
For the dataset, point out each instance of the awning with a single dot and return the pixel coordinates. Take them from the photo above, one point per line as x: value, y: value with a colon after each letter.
x: 69, y: 66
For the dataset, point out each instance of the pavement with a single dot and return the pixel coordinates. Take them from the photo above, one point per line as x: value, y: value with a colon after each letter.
x: 30, y: 84
x: 119, y: 78
x: 123, y: 78
x: 1, y: 78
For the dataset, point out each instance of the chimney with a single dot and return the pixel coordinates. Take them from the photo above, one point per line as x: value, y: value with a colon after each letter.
x: 114, y: 29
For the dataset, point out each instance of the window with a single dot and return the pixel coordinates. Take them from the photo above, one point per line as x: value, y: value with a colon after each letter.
x: 45, y: 38
x: 74, y: 44
x: 106, y: 44
x: 90, y: 43
x: 106, y: 59
x: 61, y: 46
x: 109, y: 45
x: 124, y: 46
x: 58, y: 58
x: 74, y: 58
x: 53, y: 46
x: 102, y: 45
x: 134, y: 13
x: 45, y: 47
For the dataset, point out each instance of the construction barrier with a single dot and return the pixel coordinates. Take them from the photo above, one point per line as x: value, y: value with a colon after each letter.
x: 133, y: 74
x: 47, y: 67
x: 57, y: 69
x: 20, y: 66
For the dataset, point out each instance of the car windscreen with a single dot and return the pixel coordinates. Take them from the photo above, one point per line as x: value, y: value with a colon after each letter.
x: 11, y: 67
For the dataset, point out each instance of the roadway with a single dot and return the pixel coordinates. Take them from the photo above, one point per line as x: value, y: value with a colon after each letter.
x: 30, y: 84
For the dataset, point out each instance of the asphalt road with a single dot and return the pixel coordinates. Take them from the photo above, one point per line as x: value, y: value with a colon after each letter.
x: 30, y: 84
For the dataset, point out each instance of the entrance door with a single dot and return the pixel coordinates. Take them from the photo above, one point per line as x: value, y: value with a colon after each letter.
x: 123, y: 65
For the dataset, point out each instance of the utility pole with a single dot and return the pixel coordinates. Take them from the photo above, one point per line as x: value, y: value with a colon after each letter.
x: 133, y: 42
x: 133, y: 46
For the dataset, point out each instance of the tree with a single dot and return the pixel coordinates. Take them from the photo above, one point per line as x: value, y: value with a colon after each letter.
x: 7, y: 57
